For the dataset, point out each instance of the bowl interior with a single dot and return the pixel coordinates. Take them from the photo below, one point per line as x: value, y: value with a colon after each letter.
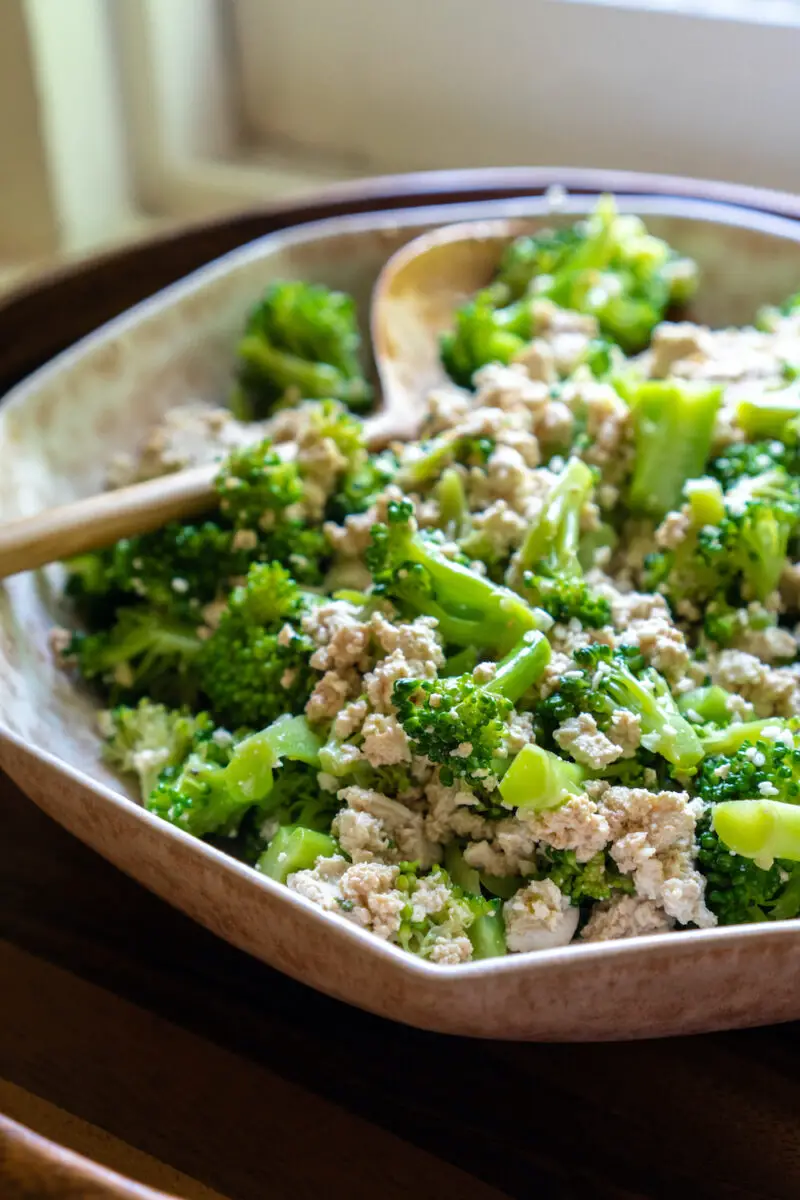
x: 60, y: 427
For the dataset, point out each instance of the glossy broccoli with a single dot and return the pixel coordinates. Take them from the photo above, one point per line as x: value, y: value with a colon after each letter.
x: 605, y: 680
x: 411, y: 571
x: 739, y: 891
x: 583, y: 882
x: 361, y: 485
x: 763, y: 830
x: 144, y: 739
x: 673, y: 428
x: 254, y: 666
x: 222, y: 779
x: 463, y: 724
x: 547, y: 569
x: 144, y: 653
x: 301, y: 341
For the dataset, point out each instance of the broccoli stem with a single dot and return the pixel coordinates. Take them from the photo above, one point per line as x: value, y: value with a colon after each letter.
x: 554, y: 534
x: 766, y: 416
x: 674, y: 425
x: 710, y: 704
x: 664, y: 730
x: 706, y: 502
x: 459, y: 870
x: 294, y: 848
x: 728, y: 741
x: 488, y: 936
x: 453, y: 506
x: 520, y: 669
x: 538, y: 779
x: 759, y: 829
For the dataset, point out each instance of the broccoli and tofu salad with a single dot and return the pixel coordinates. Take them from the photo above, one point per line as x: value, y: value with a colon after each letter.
x: 528, y: 680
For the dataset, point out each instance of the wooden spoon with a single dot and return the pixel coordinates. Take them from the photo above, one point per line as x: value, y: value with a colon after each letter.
x: 413, y: 302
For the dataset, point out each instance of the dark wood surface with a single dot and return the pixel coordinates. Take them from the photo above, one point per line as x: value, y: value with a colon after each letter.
x: 135, y: 1038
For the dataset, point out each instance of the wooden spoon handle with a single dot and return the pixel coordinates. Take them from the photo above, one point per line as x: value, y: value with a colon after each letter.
x: 98, y: 521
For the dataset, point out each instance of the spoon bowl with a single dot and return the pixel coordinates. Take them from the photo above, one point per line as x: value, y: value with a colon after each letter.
x: 415, y: 298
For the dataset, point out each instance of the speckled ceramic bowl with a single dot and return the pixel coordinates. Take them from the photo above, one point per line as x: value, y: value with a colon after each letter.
x: 57, y: 430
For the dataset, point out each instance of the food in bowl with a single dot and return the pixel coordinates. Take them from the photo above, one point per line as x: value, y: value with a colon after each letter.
x: 530, y: 679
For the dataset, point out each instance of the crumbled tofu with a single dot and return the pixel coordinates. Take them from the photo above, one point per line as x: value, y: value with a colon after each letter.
x: 385, y: 741
x: 624, y: 917
x: 406, y: 829
x: 539, y: 917
x: 582, y: 740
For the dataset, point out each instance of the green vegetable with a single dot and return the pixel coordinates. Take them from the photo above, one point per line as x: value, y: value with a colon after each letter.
x: 759, y: 829
x: 294, y: 848
x: 538, y: 780
x: 674, y: 424
x: 705, y: 705
x: 301, y: 341
x: 463, y: 724
x: 144, y: 740
x: 739, y: 891
x: 409, y: 569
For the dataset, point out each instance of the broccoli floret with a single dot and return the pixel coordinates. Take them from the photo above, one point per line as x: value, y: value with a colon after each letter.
x: 483, y: 334
x: 217, y: 784
x: 738, y: 891
x: 751, y: 541
x: 471, y: 610
x: 547, y: 569
x: 249, y: 669
x: 177, y: 569
x: 463, y: 724
x: 607, y: 265
x: 143, y: 740
x: 256, y: 487
x: 426, y: 463
x: 754, y: 458
x: 301, y: 341
x: 673, y: 428
x: 734, y: 554
x: 605, y: 681
x: 361, y: 485
x: 742, y: 764
x: 144, y: 653
x: 583, y: 882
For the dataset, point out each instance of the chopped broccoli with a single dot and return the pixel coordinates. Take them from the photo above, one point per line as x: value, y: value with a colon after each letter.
x: 294, y: 848
x: 463, y: 914
x: 483, y: 334
x: 673, y: 427
x: 767, y: 415
x: 583, y: 882
x: 216, y: 785
x: 471, y: 610
x: 607, y: 266
x: 538, y: 779
x: 739, y: 891
x: 463, y: 724
x: 753, y: 458
x: 742, y: 764
x: 144, y: 653
x: 301, y: 341
x: 428, y: 461
x: 603, y: 682
x: 249, y: 669
x: 177, y: 569
x: 739, y: 555
x: 547, y: 569
x: 705, y: 705
x: 143, y: 740
x: 759, y: 829
x: 361, y: 484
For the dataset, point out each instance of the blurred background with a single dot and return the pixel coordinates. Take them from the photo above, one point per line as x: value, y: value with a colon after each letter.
x: 117, y: 116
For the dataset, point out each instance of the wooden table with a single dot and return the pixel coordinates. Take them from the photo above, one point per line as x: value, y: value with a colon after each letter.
x: 136, y: 1038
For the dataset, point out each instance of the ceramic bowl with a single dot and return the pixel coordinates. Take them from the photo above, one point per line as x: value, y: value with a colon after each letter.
x: 59, y: 428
